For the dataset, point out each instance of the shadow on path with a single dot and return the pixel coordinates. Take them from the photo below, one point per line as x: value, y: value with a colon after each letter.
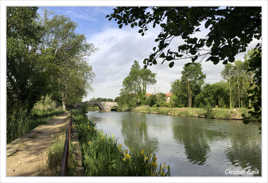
x: 27, y: 155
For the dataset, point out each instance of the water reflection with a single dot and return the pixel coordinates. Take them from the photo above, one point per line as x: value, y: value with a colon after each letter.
x: 196, y: 135
x: 194, y: 140
x: 135, y: 133
x: 193, y: 147
x: 245, y: 149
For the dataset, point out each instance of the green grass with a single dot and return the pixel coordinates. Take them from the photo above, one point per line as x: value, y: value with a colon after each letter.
x: 103, y: 156
x: 37, y: 113
x: 20, y: 122
x: 55, y: 155
x: 214, y: 113
x: 93, y: 108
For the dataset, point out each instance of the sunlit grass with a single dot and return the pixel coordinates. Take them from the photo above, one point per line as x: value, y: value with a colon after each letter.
x: 215, y: 113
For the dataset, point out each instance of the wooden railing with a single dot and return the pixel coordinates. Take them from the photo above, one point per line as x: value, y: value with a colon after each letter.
x: 64, y: 161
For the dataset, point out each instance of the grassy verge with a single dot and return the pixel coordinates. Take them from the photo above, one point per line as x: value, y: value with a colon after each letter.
x: 46, y: 113
x: 213, y: 113
x: 20, y: 122
x: 94, y: 108
x: 103, y: 156
x: 55, y: 156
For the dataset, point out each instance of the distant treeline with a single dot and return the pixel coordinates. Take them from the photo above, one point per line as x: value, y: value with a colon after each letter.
x: 100, y: 99
x: 190, y: 90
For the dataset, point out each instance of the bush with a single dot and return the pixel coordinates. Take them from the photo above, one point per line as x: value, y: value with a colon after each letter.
x: 209, y: 112
x: 223, y: 113
x: 45, y: 104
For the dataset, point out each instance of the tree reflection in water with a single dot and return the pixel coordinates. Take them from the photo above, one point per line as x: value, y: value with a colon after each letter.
x: 195, y: 139
x: 245, y: 149
x: 135, y: 133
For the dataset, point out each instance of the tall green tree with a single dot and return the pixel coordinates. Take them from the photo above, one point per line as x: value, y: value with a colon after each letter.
x: 241, y: 83
x: 136, y: 82
x: 26, y: 78
x: 227, y: 74
x: 254, y: 90
x: 238, y: 82
x: 67, y: 51
x: 193, y: 79
x: 179, y: 94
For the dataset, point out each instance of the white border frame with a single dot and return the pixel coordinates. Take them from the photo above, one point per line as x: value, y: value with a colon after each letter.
x: 205, y: 179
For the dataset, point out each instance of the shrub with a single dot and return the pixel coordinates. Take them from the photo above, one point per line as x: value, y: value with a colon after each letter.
x: 209, y: 112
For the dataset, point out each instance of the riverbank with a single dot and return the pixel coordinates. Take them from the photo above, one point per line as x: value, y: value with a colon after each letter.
x: 213, y: 113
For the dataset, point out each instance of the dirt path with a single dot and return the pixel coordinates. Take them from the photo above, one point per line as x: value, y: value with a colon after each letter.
x: 27, y: 155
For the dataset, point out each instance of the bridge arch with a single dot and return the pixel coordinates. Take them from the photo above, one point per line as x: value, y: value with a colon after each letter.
x: 104, y: 106
x: 98, y: 104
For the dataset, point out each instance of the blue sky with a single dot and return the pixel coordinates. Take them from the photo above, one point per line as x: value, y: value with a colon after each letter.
x: 89, y: 20
x: 118, y: 48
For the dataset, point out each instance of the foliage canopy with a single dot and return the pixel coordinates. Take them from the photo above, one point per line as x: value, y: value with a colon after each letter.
x: 226, y: 36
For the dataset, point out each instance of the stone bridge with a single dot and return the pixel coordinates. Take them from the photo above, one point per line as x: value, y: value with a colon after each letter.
x: 103, y: 106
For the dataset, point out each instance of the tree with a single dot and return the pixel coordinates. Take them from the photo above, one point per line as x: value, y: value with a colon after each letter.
x: 213, y: 95
x: 227, y: 74
x: 67, y: 51
x: 238, y: 83
x: 127, y: 100
x: 136, y: 82
x: 44, y: 58
x: 225, y: 38
x: 254, y: 91
x: 192, y: 79
x: 26, y: 78
x: 161, y: 100
x: 151, y: 100
x: 179, y: 97
x: 156, y: 100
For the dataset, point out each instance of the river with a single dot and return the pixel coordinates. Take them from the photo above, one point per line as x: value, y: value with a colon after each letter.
x: 191, y: 146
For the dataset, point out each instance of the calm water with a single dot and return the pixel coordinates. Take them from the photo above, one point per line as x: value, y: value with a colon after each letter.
x: 192, y: 147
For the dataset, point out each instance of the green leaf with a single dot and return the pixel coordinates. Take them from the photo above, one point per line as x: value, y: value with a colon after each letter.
x: 171, y: 64
x: 168, y: 58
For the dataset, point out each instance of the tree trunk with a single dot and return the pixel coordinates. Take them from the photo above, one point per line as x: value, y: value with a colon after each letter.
x: 63, y: 102
x: 230, y: 97
x: 239, y: 97
x: 63, y: 105
x: 189, y: 94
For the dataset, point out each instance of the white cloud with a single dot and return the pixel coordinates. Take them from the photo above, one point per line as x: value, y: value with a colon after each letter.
x: 118, y: 48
